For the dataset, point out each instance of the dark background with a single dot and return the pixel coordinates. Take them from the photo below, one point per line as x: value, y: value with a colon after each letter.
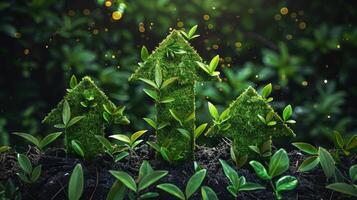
x: 308, y: 53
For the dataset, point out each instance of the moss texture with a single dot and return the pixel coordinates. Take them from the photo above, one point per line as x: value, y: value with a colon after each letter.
x: 184, y: 67
x: 246, y: 128
x: 93, y: 123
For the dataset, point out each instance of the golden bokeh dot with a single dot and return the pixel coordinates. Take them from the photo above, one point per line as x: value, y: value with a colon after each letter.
x: 238, y: 44
x: 215, y: 46
x: 210, y: 26
x: 228, y: 59
x: 206, y: 17
x: 108, y: 3
x: 26, y: 51
x: 17, y: 35
x: 95, y: 31
x: 113, y: 56
x: 86, y: 12
x: 293, y: 15
x: 289, y: 37
x: 106, y: 29
x: 284, y: 10
x: 116, y: 15
x: 180, y: 24
x: 302, y: 25
x: 304, y: 83
x: 301, y: 13
x: 277, y: 17
x: 141, y: 29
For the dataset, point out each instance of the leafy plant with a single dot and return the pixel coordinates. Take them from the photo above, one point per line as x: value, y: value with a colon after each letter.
x: 158, y: 86
x: 238, y: 184
x: 132, y: 141
x: 115, y: 151
x: 72, y: 83
x: 264, y: 150
x: 146, y: 178
x: 219, y: 120
x: 168, y: 155
x: 210, y: 69
x: 269, y: 119
x: 346, y: 188
x: 238, y: 158
x: 28, y: 174
x: 279, y: 163
x: 192, y: 185
x: 287, y: 112
x: 266, y: 93
x: 343, y: 145
x: 77, y: 148
x: 76, y: 183
x: 89, y: 101
x: 317, y: 155
x: 173, y: 49
x: 114, y: 114
x: 40, y: 144
x: 191, y: 33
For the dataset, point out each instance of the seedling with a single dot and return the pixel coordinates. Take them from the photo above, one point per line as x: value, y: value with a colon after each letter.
x: 219, y: 120
x: 345, y: 147
x: 287, y: 113
x: 238, y: 184
x: 317, y: 156
x: 346, y: 188
x: 146, y: 178
x: 155, y: 124
x: 191, y: 33
x: 88, y: 100
x: 114, y: 114
x: 192, y: 186
x: 264, y: 150
x: 266, y: 93
x: 279, y: 163
x: 9, y: 191
x: 76, y: 183
x: 144, y: 53
x: 268, y: 119
x: 40, y: 144
x: 28, y: 174
x: 211, y: 68
x: 132, y: 141
x: 179, y: 96
x: 115, y: 151
x: 72, y: 83
x: 238, y: 158
x: 169, y: 156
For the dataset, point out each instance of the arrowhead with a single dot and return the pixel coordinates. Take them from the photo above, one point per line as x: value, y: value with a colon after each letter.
x: 183, y: 65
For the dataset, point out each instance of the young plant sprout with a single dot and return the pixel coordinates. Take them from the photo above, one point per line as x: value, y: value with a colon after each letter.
x: 191, y: 33
x: 40, y: 144
x: 238, y: 158
x: 210, y: 69
x: 192, y: 186
x: 279, y: 163
x: 219, y: 120
x: 346, y: 188
x: 114, y: 114
x: 155, y: 124
x: 144, y: 53
x: 117, y: 152
x: 28, y: 174
x: 76, y: 183
x: 72, y: 83
x: 208, y: 193
x: 89, y: 101
x: 343, y: 145
x: 266, y: 93
x: 132, y: 141
x: 173, y: 49
x: 146, y: 178
x: 238, y: 184
x: 288, y: 111
x: 317, y: 156
x: 268, y: 119
x: 264, y: 150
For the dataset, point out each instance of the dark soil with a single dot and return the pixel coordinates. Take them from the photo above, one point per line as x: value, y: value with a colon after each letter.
x: 57, y: 168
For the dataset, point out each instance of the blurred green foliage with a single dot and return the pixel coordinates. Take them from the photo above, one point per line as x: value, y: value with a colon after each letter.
x: 306, y: 51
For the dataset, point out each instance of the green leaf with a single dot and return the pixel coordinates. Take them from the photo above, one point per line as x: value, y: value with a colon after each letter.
x: 153, y: 145
x: 267, y: 90
x: 28, y: 137
x: 76, y: 183
x: 167, y: 100
x: 185, y: 133
x: 151, y: 122
x: 149, y: 195
x: 117, y: 191
x: 353, y: 172
x: 165, y: 154
x: 144, y: 53
x: 74, y: 120
x: 271, y: 123
x: 105, y: 142
x: 24, y: 163
x: 262, y: 119
x: 125, y: 178
x: 158, y: 76
x: 145, y: 168
x: 192, y: 31
x: 172, y: 189
x: 279, y: 163
x: 121, y: 137
x: 230, y: 173
x: 23, y: 177
x: 232, y: 190
x: 288, y: 111
x: 213, y: 64
x: 352, y: 142
x: 49, y: 139
x: 151, y: 178
x: 137, y: 135
x: 151, y: 93
x: 305, y: 147
x: 338, y: 139
x: 61, y: 126
x: 66, y: 113
x: 36, y: 173
x: 251, y: 186
x: 260, y: 170
x: 343, y: 188
x: 309, y: 164
x: 225, y: 115
x: 327, y: 162
x: 120, y: 156
x: 175, y: 116
x: 73, y: 82
x: 286, y: 183
x: 77, y: 147
x: 195, y: 182
x: 208, y: 194
x: 199, y: 130
x: 4, y: 149
x: 213, y: 111
x: 168, y: 82
x: 203, y: 66
x: 149, y: 82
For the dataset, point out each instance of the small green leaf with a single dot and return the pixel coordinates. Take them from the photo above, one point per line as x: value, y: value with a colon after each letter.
x: 309, y: 164
x: 149, y: 82
x: 203, y: 66
x: 175, y: 116
x: 260, y: 170
x: 262, y: 119
x: 343, y: 188
x: 149, y: 195
x: 137, y: 135
x: 117, y: 191
x: 327, y: 162
x: 145, y: 168
x: 120, y: 156
x: 288, y: 111
x: 151, y: 93
x: 167, y: 100
x: 286, y: 183
x: 271, y: 123
x: 352, y: 143
x: 168, y: 82
x: 279, y: 163
x: 76, y: 183
x: 151, y: 122
x: 77, y: 147
x: 73, y: 82
x: 185, y: 133
x: 208, y: 193
x: 49, y: 139
x: 251, y: 186
x: 267, y: 90
x: 199, y: 130
x: 105, y: 142
x: 213, y: 111
x: 158, y: 76
x: 305, y: 147
x: 4, y: 149
x: 144, y: 53
x: 165, y: 154
x: 125, y: 178
x: 213, y: 64
x: 353, y: 172
x: 24, y: 163
x: 230, y: 173
x: 338, y: 139
x: 66, y: 113
x: 151, y: 178
x: 195, y: 182
x: 121, y: 137
x: 36, y: 173
x: 28, y: 137
x: 172, y: 189
x: 192, y: 31
x: 154, y: 146
x: 74, y: 120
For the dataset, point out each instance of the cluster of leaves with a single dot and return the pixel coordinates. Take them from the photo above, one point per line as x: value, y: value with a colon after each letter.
x: 219, y: 120
x: 210, y: 69
x: 28, y: 174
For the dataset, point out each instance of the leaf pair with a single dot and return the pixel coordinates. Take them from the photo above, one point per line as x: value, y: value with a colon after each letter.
x: 269, y: 119
x: 237, y: 183
x: 210, y: 69
x: 182, y: 119
x: 67, y: 120
x: 287, y: 113
x: 28, y: 173
x: 174, y: 49
x: 191, y: 33
x: 72, y: 83
x: 349, y: 189
x: 115, y: 114
x: 264, y: 150
x: 345, y: 146
x: 192, y: 185
x: 166, y: 154
x: 266, y: 93
x: 155, y: 125
x: 131, y: 141
x: 111, y: 150
x: 40, y: 144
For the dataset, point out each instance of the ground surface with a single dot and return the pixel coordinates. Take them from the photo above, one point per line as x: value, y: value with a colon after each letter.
x: 57, y: 169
